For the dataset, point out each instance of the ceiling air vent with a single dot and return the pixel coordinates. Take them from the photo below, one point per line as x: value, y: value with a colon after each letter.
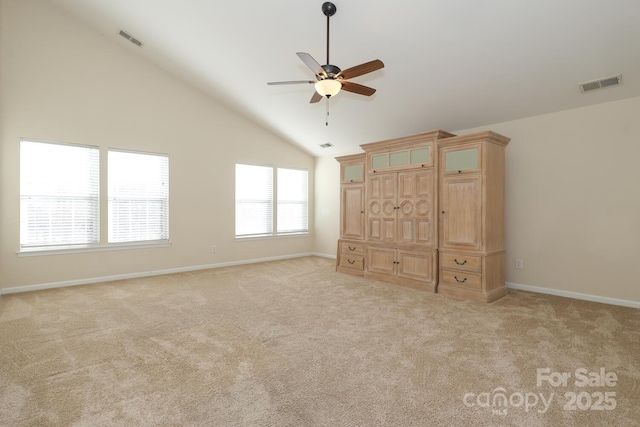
x: 601, y: 83
x: 130, y: 38
x: 327, y: 145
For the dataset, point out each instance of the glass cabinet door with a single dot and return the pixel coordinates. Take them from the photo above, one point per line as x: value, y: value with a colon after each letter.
x: 420, y: 156
x: 380, y: 161
x: 353, y: 173
x: 464, y: 160
x: 399, y: 158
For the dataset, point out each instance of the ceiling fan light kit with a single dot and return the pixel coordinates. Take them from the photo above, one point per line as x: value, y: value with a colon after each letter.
x: 330, y: 79
x: 328, y: 87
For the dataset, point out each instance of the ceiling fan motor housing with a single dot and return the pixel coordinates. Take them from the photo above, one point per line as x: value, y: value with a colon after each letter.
x: 331, y: 70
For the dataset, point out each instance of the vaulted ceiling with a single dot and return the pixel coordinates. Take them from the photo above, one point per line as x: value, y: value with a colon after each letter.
x: 449, y: 65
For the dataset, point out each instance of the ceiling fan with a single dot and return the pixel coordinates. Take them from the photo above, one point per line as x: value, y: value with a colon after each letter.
x: 329, y: 78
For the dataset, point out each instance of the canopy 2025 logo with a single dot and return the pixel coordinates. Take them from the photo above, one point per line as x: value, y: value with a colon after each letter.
x: 499, y: 400
x: 583, y: 378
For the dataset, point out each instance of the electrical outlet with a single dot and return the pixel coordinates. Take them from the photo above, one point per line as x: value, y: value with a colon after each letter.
x: 214, y: 249
x: 519, y: 264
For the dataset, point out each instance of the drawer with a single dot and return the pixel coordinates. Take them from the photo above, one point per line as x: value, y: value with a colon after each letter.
x: 461, y: 262
x: 462, y: 279
x: 352, y: 248
x: 354, y: 262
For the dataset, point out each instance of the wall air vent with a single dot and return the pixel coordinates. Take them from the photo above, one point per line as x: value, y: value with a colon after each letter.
x: 601, y: 83
x: 130, y: 38
x: 327, y: 145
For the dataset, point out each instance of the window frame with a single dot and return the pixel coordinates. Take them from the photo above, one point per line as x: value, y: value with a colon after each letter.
x: 278, y: 202
x: 108, y: 198
x: 55, y: 247
x: 274, y: 205
x: 102, y: 244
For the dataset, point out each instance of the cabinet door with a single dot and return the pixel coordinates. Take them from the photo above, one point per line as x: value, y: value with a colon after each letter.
x: 381, y: 208
x: 459, y: 160
x: 353, y: 172
x: 461, y: 212
x: 416, y: 265
x: 415, y: 203
x: 352, y: 219
x: 381, y: 260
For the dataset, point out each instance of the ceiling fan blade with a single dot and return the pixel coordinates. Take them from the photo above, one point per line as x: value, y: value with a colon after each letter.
x: 361, y: 69
x: 292, y: 82
x: 359, y: 89
x: 315, y: 98
x: 312, y: 64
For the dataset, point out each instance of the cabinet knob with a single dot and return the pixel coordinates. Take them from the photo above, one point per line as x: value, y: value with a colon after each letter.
x: 458, y: 280
x: 460, y: 263
x: 459, y: 171
x: 442, y: 211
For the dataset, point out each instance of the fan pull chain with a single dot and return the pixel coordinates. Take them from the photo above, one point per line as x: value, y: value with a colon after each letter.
x: 327, y: 118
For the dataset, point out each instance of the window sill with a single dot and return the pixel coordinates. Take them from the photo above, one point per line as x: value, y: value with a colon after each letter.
x: 61, y: 250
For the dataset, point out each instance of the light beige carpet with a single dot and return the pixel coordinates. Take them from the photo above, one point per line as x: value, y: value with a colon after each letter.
x: 293, y: 343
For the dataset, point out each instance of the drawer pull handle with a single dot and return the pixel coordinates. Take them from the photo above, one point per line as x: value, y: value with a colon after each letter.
x: 351, y: 262
x: 460, y: 263
x: 353, y: 248
x: 458, y: 280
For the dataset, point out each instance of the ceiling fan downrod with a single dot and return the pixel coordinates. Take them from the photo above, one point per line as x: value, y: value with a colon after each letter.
x: 329, y: 9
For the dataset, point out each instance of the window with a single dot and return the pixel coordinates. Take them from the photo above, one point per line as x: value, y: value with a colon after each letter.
x: 293, y: 201
x: 59, y: 195
x: 138, y: 193
x: 256, y: 201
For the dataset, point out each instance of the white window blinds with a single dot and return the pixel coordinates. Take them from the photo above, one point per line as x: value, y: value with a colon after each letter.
x: 293, y: 201
x: 59, y: 195
x: 138, y: 197
x: 254, y: 200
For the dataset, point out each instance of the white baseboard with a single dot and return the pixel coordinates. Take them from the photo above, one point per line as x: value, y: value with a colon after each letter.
x: 18, y: 289
x: 574, y: 295
x: 330, y: 256
x: 517, y: 286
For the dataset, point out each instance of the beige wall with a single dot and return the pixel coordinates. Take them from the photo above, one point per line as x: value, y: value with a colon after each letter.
x: 327, y: 201
x: 64, y: 82
x: 1, y: 115
x: 572, y: 208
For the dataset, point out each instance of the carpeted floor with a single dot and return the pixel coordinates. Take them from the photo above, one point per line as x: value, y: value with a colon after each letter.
x: 293, y: 343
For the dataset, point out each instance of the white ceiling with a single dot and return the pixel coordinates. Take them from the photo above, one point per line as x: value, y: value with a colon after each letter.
x: 449, y: 64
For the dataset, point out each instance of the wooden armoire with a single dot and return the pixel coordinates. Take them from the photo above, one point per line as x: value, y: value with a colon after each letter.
x: 426, y: 211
